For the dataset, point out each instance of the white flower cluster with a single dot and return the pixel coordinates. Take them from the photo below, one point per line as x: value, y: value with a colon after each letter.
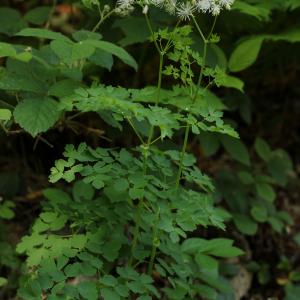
x: 184, y: 10
x: 125, y: 7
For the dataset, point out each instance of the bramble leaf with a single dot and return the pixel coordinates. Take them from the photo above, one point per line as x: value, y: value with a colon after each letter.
x: 36, y: 115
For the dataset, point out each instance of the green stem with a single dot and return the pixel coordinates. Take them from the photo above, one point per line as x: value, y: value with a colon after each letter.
x: 135, y: 130
x: 199, y: 29
x: 152, y: 258
x: 155, y: 244
x: 161, y: 61
x: 194, y: 97
x: 51, y: 13
x: 152, y: 34
x: 136, y: 231
x: 213, y: 27
x: 186, y: 137
x: 102, y: 19
x: 147, y: 145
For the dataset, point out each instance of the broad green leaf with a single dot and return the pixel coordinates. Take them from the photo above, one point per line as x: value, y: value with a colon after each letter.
x: 23, y: 56
x: 109, y: 294
x: 134, y: 28
x: 71, y: 52
x: 262, y: 149
x: 206, y: 291
x: 5, y: 114
x: 10, y: 21
x: 43, y: 34
x: 246, y: 177
x: 82, y: 35
x: 265, y: 191
x: 56, y: 196
x: 279, y: 166
x: 38, y: 15
x: 102, y: 58
x: 259, y: 213
x: 292, y: 292
x: 245, y: 54
x: 7, y: 50
x: 222, y: 61
x: 20, y: 78
x: 82, y: 191
x: 63, y: 88
x: 36, y: 115
x: 291, y: 36
x: 210, y: 143
x: 245, y: 224
x: 259, y: 12
x: 276, y: 224
x: 115, y: 50
x: 236, y: 149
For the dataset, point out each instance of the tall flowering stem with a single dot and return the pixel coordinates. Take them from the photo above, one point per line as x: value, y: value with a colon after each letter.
x: 194, y: 96
x: 145, y: 147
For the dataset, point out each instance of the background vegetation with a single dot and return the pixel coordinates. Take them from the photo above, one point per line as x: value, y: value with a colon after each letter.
x: 50, y: 85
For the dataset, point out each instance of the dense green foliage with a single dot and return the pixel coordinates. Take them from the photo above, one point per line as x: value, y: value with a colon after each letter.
x: 153, y: 193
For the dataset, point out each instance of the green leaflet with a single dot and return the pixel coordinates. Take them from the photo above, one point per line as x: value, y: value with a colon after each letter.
x: 265, y: 191
x: 245, y: 224
x: 263, y: 149
x: 236, y: 149
x: 215, y: 247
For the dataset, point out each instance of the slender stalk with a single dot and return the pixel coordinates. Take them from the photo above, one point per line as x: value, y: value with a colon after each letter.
x: 52, y: 11
x: 199, y: 29
x: 194, y: 97
x: 152, y: 33
x: 146, y: 146
x: 161, y: 61
x: 135, y: 130
x: 213, y: 27
x: 152, y: 258
x: 155, y: 140
x: 136, y: 231
x: 75, y: 116
x: 102, y: 19
x: 155, y: 243
x: 186, y: 137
